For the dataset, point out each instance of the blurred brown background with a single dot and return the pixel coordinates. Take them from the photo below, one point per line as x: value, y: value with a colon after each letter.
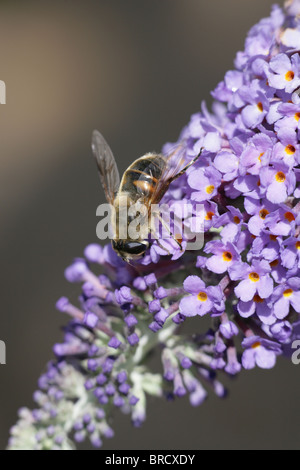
x: 135, y: 70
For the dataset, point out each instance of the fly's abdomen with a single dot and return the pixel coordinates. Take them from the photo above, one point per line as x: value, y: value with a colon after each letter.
x: 141, y: 178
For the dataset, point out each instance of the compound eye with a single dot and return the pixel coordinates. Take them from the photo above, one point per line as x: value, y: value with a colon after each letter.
x: 135, y: 248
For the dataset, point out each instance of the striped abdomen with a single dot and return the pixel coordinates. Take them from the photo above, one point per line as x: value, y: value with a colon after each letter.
x: 141, y: 178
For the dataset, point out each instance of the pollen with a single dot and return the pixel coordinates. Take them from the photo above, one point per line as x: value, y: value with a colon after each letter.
x: 263, y: 213
x: 236, y: 219
x: 256, y: 345
x: 290, y: 150
x: 259, y: 156
x: 209, y: 215
x: 289, y: 76
x: 289, y: 216
x: 260, y: 106
x: 227, y: 256
x: 287, y: 292
x: 254, y: 277
x: 297, y: 116
x: 209, y: 189
x: 202, y: 296
x: 280, y: 177
x: 257, y: 299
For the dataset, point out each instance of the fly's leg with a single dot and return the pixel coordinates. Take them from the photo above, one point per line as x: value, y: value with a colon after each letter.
x: 186, y: 167
x: 163, y: 223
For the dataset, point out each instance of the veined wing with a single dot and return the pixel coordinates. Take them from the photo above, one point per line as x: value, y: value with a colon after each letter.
x: 107, y: 167
x: 176, y: 163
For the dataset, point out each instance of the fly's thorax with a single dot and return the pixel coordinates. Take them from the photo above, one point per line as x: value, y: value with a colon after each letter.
x: 142, y: 176
x: 132, y: 203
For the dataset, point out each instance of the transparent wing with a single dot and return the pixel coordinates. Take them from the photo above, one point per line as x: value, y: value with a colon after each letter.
x: 176, y: 160
x: 108, y: 171
x: 177, y: 163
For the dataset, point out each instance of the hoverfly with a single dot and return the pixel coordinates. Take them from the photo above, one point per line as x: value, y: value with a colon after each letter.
x: 145, y: 181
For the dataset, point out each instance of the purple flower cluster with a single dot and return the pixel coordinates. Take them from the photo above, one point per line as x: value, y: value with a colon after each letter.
x: 246, y: 277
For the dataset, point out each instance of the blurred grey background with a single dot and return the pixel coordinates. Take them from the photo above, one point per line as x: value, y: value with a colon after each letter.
x: 135, y: 70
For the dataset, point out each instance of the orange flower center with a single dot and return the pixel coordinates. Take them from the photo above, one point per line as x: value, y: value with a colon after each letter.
x: 289, y: 216
x: 273, y: 238
x: 297, y: 245
x: 263, y: 213
x: 257, y: 299
x: 260, y: 106
x: 202, y: 296
x: 260, y: 155
x: 254, y: 277
x: 289, y: 75
x: 297, y: 116
x: 287, y: 292
x: 178, y: 238
x: 227, y: 256
x: 209, y: 189
x: 256, y: 345
x: 290, y: 149
x: 274, y: 263
x: 280, y: 177
x: 209, y: 215
x: 236, y: 219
